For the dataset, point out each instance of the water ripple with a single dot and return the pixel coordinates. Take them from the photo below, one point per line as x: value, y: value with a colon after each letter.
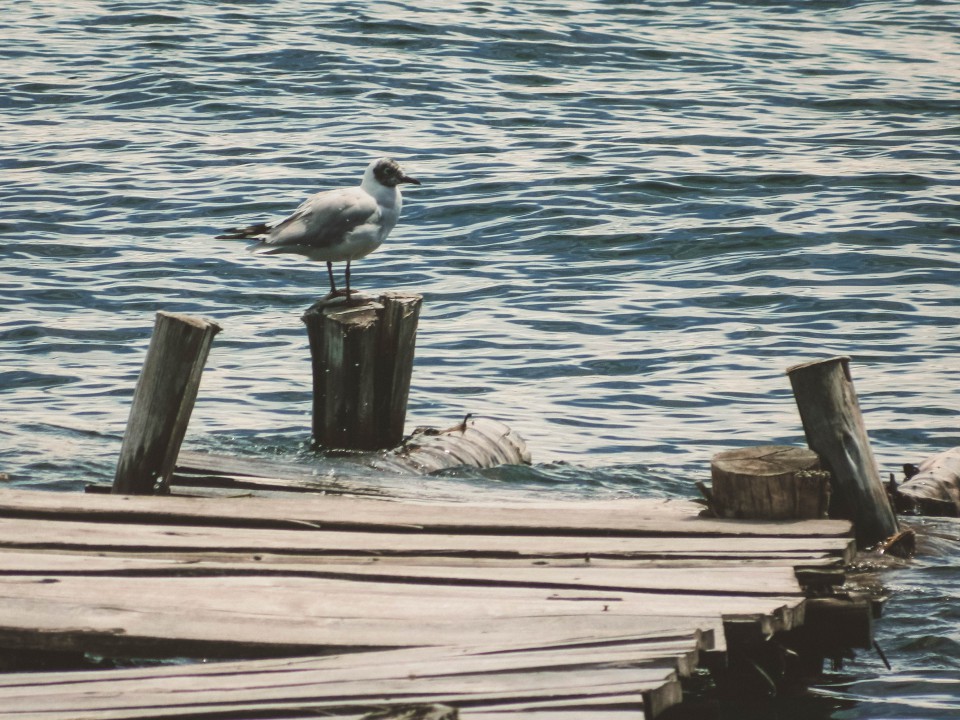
x: 634, y: 216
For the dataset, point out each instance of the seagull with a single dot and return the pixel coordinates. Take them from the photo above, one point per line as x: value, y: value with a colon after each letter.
x: 336, y: 225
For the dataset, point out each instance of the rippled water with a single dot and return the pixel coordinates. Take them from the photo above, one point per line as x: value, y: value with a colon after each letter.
x: 634, y: 217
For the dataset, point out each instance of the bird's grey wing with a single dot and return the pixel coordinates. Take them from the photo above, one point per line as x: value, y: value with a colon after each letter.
x: 324, y: 219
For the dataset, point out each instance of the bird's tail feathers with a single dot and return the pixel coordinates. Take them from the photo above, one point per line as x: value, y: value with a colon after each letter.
x: 245, y: 233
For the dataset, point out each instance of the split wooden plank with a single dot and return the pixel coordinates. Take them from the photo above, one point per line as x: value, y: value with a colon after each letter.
x: 19, y: 535
x: 370, y: 667
x: 112, y: 632
x: 665, y: 641
x: 229, y: 616
x: 316, y: 691
x: 624, y: 518
x: 92, y: 536
x: 753, y: 581
x: 332, y: 598
x: 139, y: 563
x: 622, y: 711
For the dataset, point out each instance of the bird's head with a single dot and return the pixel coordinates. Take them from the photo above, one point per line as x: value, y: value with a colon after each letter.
x: 388, y: 173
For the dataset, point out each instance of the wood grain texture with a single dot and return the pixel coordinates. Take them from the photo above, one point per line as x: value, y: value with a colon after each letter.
x: 835, y: 430
x: 591, y: 609
x: 627, y: 518
x: 362, y: 364
x: 163, y: 402
x: 769, y: 482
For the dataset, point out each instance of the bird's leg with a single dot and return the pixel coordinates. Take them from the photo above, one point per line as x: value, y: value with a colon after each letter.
x: 346, y: 278
x: 333, y: 285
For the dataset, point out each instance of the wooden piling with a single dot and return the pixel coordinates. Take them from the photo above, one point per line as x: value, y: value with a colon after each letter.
x: 769, y: 482
x: 362, y: 363
x: 162, y: 403
x: 834, y: 428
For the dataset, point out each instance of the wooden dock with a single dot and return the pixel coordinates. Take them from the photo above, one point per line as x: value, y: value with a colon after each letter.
x: 356, y: 607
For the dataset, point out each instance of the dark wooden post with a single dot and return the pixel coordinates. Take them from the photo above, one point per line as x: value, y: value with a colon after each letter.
x: 163, y: 402
x: 398, y: 340
x: 835, y: 431
x: 769, y: 482
x: 362, y: 363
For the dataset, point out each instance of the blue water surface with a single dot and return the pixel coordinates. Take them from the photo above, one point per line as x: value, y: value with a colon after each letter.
x: 634, y: 217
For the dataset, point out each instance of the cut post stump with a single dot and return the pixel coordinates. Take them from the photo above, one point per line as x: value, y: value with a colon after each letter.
x: 362, y: 363
x: 769, y: 482
x: 834, y: 428
x: 162, y: 403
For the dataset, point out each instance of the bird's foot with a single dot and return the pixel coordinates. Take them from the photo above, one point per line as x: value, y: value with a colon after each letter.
x: 356, y: 298
x: 339, y: 299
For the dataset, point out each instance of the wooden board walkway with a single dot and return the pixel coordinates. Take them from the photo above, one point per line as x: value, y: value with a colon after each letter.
x: 564, y: 610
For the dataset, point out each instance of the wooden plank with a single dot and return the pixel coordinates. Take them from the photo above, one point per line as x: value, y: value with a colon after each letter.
x: 650, y: 703
x: 316, y: 692
x: 78, y: 562
x: 664, y: 639
x: 372, y: 666
x: 93, y: 536
x: 320, y: 690
x: 634, y: 518
x: 754, y: 581
x: 334, y: 598
x: 227, y: 615
x: 544, y: 612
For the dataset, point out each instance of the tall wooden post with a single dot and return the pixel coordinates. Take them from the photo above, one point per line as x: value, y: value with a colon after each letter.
x: 362, y: 363
x: 163, y: 402
x: 835, y: 431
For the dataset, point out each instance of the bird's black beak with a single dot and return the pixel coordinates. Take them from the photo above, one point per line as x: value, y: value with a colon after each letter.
x: 404, y: 178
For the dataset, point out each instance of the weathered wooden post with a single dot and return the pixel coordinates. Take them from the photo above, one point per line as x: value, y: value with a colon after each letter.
x: 362, y: 363
x: 835, y: 431
x: 769, y: 482
x: 162, y: 403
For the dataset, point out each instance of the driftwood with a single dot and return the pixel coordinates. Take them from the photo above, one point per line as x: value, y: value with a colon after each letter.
x: 835, y: 431
x: 934, y: 489
x: 769, y: 482
x: 475, y: 442
x: 163, y: 402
